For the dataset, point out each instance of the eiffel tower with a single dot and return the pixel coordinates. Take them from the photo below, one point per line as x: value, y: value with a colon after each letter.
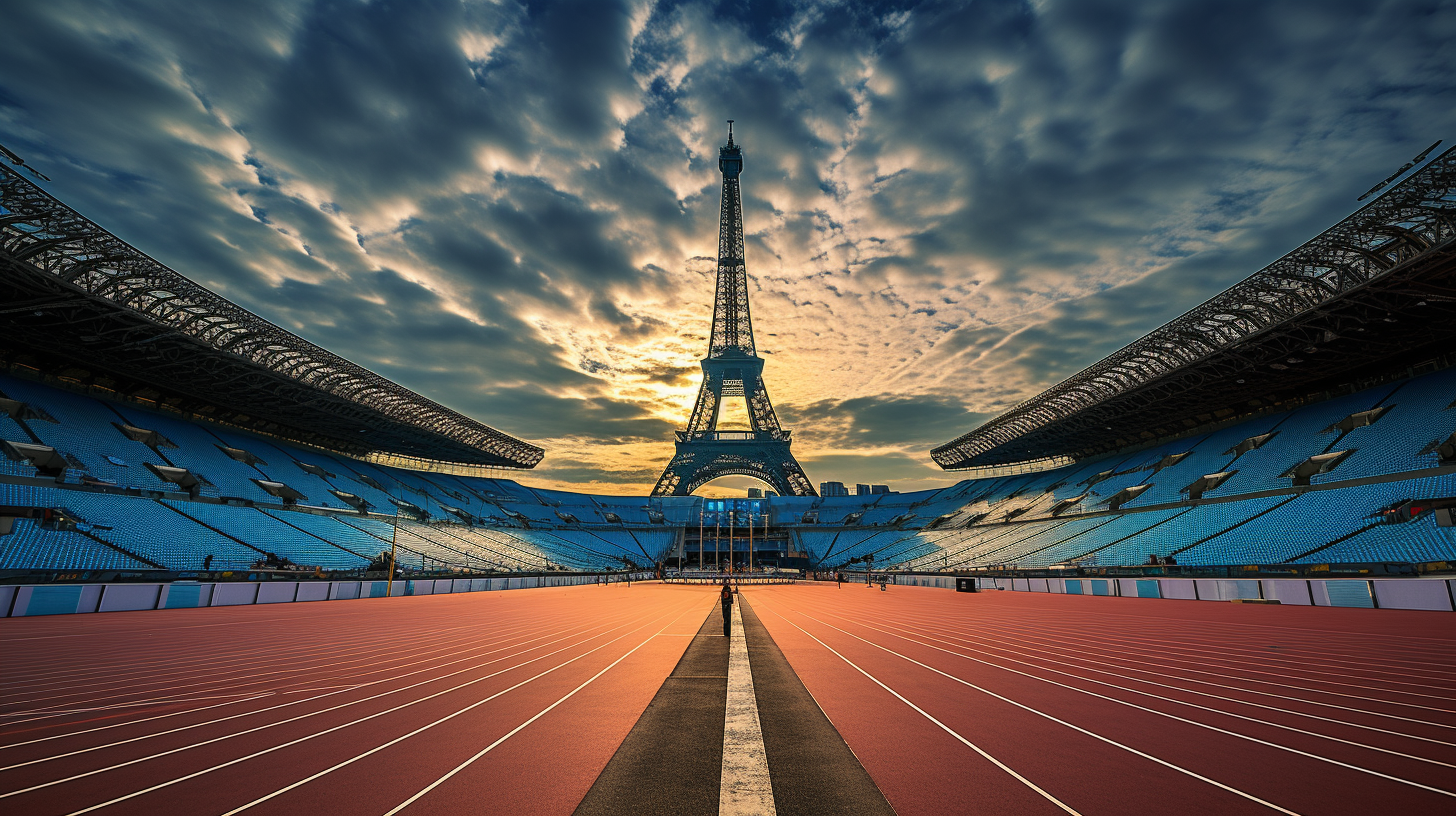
x: 732, y: 369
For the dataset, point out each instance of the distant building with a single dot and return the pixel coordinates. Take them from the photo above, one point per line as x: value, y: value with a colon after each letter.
x: 755, y: 492
x: 879, y: 488
x: 828, y: 489
x: 870, y: 490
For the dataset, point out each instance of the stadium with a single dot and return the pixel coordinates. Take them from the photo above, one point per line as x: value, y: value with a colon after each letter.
x: 243, y: 573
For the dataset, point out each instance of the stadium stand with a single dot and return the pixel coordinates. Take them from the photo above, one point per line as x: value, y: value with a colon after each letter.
x: 1304, y: 409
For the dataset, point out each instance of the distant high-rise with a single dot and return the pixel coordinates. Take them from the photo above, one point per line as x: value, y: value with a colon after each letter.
x: 832, y: 489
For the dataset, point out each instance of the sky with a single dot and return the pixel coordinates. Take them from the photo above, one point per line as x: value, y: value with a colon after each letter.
x: 512, y: 208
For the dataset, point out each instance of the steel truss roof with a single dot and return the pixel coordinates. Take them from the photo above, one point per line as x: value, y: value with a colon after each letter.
x: 1376, y: 290
x: 78, y: 297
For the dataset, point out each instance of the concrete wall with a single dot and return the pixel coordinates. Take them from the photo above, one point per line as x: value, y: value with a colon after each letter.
x: 1431, y: 594
x: 68, y: 599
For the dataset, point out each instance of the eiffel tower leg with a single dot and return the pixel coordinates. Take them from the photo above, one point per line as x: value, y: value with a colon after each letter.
x: 699, y: 462
x: 705, y: 410
x: 671, y: 480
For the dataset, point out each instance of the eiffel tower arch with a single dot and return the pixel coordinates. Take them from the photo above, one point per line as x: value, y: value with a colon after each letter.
x: 732, y: 369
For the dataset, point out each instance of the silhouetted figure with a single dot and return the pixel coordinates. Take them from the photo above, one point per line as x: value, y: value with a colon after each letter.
x: 207, y: 562
x: 726, y: 598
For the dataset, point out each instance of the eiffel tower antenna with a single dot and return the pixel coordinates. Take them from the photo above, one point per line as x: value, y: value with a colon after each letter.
x: 732, y: 369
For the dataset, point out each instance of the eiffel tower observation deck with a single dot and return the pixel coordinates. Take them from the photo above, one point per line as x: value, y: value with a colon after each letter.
x: 732, y: 369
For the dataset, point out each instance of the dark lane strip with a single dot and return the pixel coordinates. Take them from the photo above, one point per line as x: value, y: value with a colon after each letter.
x: 671, y: 761
x: 670, y: 764
x: 812, y: 768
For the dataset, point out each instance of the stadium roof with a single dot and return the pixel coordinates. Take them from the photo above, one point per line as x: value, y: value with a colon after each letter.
x: 1373, y: 294
x: 82, y: 305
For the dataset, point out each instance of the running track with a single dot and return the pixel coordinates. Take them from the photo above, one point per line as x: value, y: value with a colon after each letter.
x: 514, y: 702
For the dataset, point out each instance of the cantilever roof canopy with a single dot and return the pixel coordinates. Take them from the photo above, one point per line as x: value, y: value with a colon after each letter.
x: 80, y: 300
x: 1372, y: 294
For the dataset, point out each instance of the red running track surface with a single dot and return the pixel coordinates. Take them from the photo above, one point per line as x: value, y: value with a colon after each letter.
x: 507, y: 702
x: 1029, y: 703
x: 513, y: 702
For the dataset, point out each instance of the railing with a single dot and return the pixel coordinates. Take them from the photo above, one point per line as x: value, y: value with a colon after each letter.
x: 734, y: 436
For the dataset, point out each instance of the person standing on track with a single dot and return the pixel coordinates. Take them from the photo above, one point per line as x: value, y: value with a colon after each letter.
x: 726, y: 598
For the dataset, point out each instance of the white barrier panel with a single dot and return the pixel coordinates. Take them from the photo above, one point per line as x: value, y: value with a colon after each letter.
x: 63, y: 599
x: 1413, y: 593
x: 312, y: 591
x: 1226, y: 590
x: 1317, y: 593
x: 234, y: 594
x: 1127, y: 587
x: 129, y: 597
x: 1177, y: 589
x: 1056, y: 586
x: 279, y: 592
x: 1037, y: 584
x: 1288, y: 591
x: 1019, y: 585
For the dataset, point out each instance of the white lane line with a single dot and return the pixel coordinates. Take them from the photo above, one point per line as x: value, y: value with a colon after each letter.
x: 307, y: 737
x: 746, y: 787
x: 947, y: 729
x: 538, y: 715
x: 287, y: 705
x: 1008, y: 652
x: 1130, y: 705
x: 1174, y: 655
x: 1094, y: 735
x: 251, y: 695
x: 1265, y: 722
x: 232, y: 680
x: 428, y: 655
x: 427, y: 681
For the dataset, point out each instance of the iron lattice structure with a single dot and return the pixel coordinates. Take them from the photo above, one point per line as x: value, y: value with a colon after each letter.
x: 82, y: 306
x: 732, y: 369
x: 1372, y: 295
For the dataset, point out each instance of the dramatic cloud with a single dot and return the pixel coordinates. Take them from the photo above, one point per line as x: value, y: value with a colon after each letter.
x: 512, y: 208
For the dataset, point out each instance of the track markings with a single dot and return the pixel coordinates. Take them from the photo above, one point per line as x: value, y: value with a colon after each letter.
x: 282, y: 722
x: 942, y: 726
x: 1059, y: 721
x: 745, y: 786
x: 487, y: 749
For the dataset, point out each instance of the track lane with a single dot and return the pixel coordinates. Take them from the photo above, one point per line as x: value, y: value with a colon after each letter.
x: 594, y: 616
x: 1384, y: 768
x: 349, y: 694
x: 1128, y: 725
x: 204, y: 755
x: 1214, y: 696
x: 1075, y: 767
